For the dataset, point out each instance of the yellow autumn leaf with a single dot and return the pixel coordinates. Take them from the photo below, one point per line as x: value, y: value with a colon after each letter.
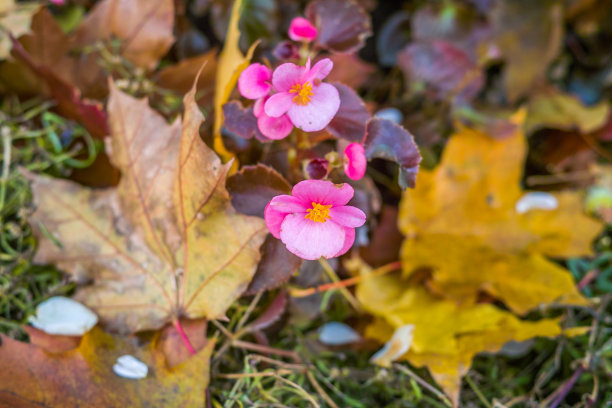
x: 15, y: 19
x: 462, y: 222
x: 166, y: 243
x: 230, y: 64
x: 446, y: 335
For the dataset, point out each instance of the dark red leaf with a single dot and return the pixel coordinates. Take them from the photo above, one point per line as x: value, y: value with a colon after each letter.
x: 253, y: 187
x: 275, y: 268
x: 272, y: 314
x: 350, y: 121
x: 442, y: 66
x: 393, y: 36
x: 69, y: 102
x: 240, y: 121
x: 342, y: 25
x: 387, y: 140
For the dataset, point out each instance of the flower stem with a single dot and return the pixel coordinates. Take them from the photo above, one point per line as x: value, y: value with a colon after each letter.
x: 181, y: 332
x: 298, y: 293
x: 345, y: 292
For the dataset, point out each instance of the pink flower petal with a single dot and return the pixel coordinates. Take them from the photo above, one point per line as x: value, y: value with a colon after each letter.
x: 356, y: 162
x: 286, y: 75
x: 317, y: 114
x: 258, y: 106
x: 323, y: 192
x: 349, y: 239
x: 302, y: 30
x: 320, y: 70
x: 312, y: 240
x: 289, y: 204
x: 274, y: 128
x: 254, y: 81
x: 347, y: 216
x: 274, y: 219
x: 278, y: 104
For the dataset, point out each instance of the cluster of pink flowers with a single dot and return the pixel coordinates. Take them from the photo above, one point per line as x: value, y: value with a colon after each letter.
x: 291, y: 95
x: 315, y: 221
x: 301, y: 99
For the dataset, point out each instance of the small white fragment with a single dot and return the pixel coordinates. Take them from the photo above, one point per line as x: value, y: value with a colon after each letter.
x: 536, y: 200
x: 397, y: 346
x: 63, y: 316
x: 336, y: 334
x: 392, y: 114
x: 128, y: 366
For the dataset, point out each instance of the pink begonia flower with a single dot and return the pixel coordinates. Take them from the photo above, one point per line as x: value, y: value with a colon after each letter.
x: 315, y: 221
x: 355, y: 161
x: 254, y: 83
x: 309, y: 103
x: 272, y: 128
x: 58, y: 2
x: 302, y: 30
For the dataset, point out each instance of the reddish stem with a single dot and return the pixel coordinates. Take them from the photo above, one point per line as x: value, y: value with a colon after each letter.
x: 181, y: 332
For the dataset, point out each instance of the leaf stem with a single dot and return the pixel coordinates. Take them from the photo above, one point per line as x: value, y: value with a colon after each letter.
x: 345, y: 292
x: 181, y: 332
x: 424, y: 384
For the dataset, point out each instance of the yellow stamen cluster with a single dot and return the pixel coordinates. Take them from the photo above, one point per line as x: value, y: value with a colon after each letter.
x: 303, y: 93
x: 318, y: 213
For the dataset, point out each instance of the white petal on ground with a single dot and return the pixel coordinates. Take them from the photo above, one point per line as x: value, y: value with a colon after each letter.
x: 536, y: 200
x: 63, y: 316
x: 396, y: 347
x: 336, y: 334
x: 128, y: 366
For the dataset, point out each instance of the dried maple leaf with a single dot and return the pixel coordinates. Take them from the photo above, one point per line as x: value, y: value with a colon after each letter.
x: 463, y: 224
x: 84, y: 377
x: 166, y: 243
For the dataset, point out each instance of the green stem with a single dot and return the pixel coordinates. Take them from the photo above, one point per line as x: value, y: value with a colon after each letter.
x: 344, y: 291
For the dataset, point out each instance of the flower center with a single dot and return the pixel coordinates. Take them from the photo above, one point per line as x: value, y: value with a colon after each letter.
x: 318, y: 213
x: 303, y: 93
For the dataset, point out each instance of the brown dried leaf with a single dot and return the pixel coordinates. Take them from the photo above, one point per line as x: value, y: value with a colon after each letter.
x: 165, y: 243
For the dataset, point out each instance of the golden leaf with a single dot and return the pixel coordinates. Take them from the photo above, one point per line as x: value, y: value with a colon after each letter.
x: 166, y: 243
x: 230, y: 64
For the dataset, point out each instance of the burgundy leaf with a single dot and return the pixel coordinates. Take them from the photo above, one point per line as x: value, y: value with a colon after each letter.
x: 240, y: 120
x: 444, y: 67
x: 253, y: 187
x: 350, y: 121
x: 276, y: 266
x: 342, y: 25
x: 387, y: 140
x: 272, y: 314
x: 69, y: 102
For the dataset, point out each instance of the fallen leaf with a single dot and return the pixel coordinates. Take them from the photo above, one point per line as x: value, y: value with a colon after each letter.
x: 529, y: 37
x: 396, y: 347
x: 165, y: 243
x: 180, y: 77
x: 145, y: 28
x: 550, y: 108
x: 30, y: 377
x: 446, y: 335
x: 387, y: 140
x: 231, y: 63
x: 171, y: 342
x: 52, y: 343
x: 14, y: 19
x: 342, y: 25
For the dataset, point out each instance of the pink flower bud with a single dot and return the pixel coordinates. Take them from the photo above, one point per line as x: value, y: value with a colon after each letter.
x: 302, y: 30
x: 355, y: 162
